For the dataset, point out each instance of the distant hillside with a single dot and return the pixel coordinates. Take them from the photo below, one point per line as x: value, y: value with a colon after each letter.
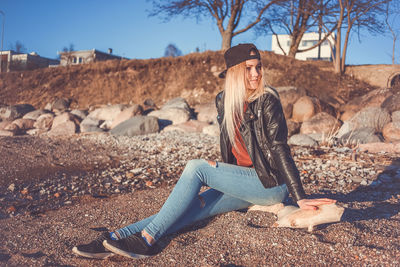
x: 193, y: 77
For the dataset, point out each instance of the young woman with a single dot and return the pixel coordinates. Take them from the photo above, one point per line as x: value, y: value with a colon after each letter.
x: 257, y: 166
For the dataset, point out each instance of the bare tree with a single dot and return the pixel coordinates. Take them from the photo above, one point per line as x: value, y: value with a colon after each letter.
x: 172, y: 51
x: 296, y: 17
x: 66, y: 53
x: 392, y: 15
x: 18, y: 47
x: 226, y: 13
x: 358, y: 14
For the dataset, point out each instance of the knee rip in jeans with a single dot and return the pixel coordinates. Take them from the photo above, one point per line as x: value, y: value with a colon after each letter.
x: 202, y: 202
x: 212, y: 163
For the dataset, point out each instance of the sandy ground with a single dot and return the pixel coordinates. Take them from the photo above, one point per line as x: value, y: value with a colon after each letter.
x: 367, y: 235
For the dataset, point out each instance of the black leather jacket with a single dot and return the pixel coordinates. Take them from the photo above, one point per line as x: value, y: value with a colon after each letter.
x: 264, y: 133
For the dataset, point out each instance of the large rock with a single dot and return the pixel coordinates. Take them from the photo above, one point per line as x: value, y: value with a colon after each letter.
x: 15, y: 112
x: 293, y: 127
x: 81, y: 114
x: 360, y: 136
x: 4, y: 124
x: 34, y: 115
x: 320, y: 123
x: 303, y: 109
x: 126, y: 114
x: 138, y: 125
x: 396, y: 116
x: 174, y: 115
x: 370, y: 117
x: 62, y: 129
x: 288, y: 96
x: 391, y: 131
x: 60, y: 104
x: 392, y: 103
x: 24, y: 124
x: 302, y: 140
x: 90, y: 125
x: 107, y: 113
x: 373, y: 98
x: 178, y: 102
x: 373, y: 117
x: 65, y: 117
x: 44, y: 122
x: 207, y: 112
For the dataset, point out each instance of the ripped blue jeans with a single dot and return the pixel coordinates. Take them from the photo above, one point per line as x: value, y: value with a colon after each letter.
x: 231, y: 188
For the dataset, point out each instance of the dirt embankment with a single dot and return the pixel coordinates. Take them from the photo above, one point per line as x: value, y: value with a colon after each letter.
x: 193, y: 77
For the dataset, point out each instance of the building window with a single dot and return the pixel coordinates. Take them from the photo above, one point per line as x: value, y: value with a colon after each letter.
x: 288, y: 43
x: 80, y: 60
x: 74, y: 60
x: 309, y: 43
x: 326, y: 42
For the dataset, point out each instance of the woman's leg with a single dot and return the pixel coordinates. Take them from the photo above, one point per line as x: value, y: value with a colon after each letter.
x: 209, y: 203
x: 233, y: 183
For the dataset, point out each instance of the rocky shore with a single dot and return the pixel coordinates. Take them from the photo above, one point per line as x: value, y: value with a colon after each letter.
x: 116, y: 180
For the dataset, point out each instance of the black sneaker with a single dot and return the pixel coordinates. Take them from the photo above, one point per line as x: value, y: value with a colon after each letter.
x: 132, y: 246
x: 94, y: 249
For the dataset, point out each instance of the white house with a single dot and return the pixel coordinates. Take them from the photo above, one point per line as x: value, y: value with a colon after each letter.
x: 309, y: 39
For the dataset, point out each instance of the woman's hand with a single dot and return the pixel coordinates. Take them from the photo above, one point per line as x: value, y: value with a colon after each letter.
x: 312, y: 204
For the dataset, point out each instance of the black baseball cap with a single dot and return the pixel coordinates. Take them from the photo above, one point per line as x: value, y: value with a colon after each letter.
x: 238, y: 54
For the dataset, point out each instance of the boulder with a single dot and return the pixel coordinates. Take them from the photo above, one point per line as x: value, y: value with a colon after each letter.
x: 12, y: 128
x: 303, y: 109
x: 174, y: 115
x: 107, y: 113
x: 14, y: 112
x: 90, y: 125
x: 320, y: 123
x: 126, y: 114
x: 177, y: 103
x: 4, y: 124
x: 373, y: 117
x: 392, y: 103
x: 302, y: 140
x: 391, y: 131
x: 24, y: 124
x: 212, y: 130
x: 360, y: 136
x: 65, y: 117
x: 207, y: 112
x: 189, y: 126
x: 60, y: 104
x: 137, y: 125
x: 64, y: 128
x: 34, y: 115
x: 348, y: 114
x: 81, y: 114
x: 293, y: 127
x: 288, y: 96
x: 44, y: 122
x: 373, y: 98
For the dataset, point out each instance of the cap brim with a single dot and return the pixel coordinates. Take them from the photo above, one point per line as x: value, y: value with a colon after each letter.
x: 222, y: 74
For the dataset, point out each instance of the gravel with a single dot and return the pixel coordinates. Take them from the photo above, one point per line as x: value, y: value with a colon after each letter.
x: 83, y: 185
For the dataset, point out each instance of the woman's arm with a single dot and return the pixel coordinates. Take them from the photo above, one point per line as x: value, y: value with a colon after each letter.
x: 276, y: 131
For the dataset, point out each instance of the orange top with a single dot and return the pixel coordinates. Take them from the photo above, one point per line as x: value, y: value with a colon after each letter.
x: 241, y: 155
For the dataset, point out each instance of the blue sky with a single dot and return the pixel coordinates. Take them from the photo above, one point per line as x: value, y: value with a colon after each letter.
x: 46, y: 26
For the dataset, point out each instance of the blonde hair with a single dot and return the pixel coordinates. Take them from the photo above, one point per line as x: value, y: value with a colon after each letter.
x: 236, y: 95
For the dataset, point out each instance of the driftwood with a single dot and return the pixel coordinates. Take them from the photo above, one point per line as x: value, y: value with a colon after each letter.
x: 294, y: 217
